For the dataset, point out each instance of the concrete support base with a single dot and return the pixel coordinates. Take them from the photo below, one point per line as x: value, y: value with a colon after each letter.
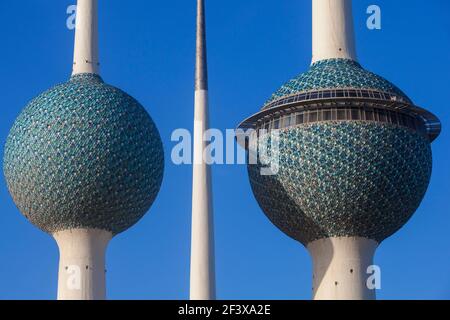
x: 340, y: 268
x: 81, y: 274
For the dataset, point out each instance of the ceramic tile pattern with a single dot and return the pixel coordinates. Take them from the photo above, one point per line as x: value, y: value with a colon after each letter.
x: 84, y: 154
x: 336, y: 73
x: 347, y: 178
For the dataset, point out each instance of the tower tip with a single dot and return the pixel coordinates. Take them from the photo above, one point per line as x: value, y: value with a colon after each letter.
x: 201, y: 69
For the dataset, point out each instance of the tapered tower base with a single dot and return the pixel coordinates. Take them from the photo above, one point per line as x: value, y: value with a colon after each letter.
x: 81, y: 274
x: 340, y: 268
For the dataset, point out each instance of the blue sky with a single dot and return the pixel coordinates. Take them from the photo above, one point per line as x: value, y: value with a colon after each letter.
x: 254, y: 46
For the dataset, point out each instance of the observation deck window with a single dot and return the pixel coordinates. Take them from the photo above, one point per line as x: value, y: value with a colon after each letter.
x: 326, y: 115
x: 312, y: 116
x: 276, y: 124
x: 342, y: 114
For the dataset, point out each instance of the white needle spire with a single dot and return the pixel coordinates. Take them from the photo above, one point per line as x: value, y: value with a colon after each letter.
x: 202, y: 286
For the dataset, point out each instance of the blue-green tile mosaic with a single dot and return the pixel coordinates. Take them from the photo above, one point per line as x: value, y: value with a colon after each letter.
x: 84, y: 154
x: 336, y: 73
x: 347, y: 178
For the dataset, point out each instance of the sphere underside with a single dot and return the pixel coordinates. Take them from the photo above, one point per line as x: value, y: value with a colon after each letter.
x: 84, y: 155
x: 344, y: 178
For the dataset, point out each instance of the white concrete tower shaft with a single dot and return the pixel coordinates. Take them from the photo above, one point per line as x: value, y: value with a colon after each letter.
x: 81, y: 274
x: 333, y: 33
x: 340, y: 264
x: 202, y: 280
x: 340, y: 268
x: 86, y: 38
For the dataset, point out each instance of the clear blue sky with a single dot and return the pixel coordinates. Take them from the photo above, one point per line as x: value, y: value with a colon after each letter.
x: 254, y: 46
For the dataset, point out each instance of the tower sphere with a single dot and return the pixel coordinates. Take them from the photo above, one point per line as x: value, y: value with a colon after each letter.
x: 84, y: 154
x: 354, y: 154
x: 343, y: 157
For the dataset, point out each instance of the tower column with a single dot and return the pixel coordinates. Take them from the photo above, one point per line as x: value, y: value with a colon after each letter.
x: 333, y: 34
x: 340, y: 268
x: 86, y: 38
x: 81, y: 274
x: 202, y: 279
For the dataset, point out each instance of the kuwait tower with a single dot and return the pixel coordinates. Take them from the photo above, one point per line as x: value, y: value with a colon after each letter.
x: 84, y: 162
x: 202, y: 282
x: 354, y: 156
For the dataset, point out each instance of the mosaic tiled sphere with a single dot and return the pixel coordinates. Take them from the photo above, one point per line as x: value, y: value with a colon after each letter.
x: 84, y: 154
x: 344, y: 178
x: 333, y: 74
